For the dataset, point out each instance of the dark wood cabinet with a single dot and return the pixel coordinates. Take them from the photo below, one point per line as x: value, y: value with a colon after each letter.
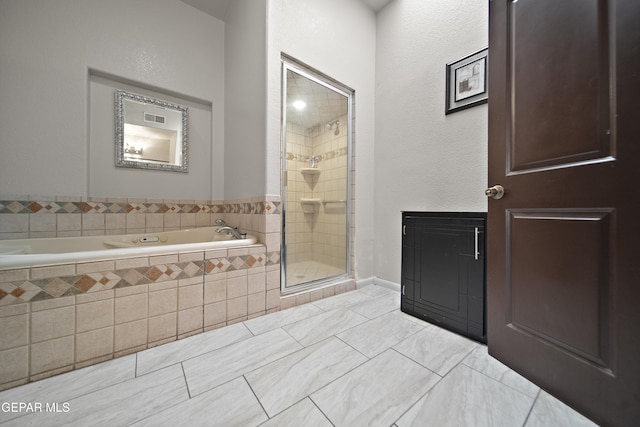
x: 443, y: 270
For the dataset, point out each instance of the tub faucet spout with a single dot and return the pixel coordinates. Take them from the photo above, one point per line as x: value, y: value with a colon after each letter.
x: 233, y: 231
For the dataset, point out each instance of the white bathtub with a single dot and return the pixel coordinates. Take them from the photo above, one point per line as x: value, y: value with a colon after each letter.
x: 59, y: 250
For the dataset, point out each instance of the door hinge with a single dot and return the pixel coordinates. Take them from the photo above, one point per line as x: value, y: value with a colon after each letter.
x: 402, y: 289
x: 404, y: 230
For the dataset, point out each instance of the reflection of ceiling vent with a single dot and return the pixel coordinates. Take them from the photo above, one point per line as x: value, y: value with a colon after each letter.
x: 152, y: 118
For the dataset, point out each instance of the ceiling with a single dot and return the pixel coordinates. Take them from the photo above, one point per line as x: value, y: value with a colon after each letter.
x: 322, y: 105
x: 218, y: 8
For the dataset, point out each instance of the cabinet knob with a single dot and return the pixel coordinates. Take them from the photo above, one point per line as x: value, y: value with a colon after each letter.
x: 495, y: 192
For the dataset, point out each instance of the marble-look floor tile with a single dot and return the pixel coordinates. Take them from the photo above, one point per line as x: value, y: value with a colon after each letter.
x: 342, y: 301
x: 375, y: 336
x: 290, y: 379
x: 480, y: 360
x: 73, y: 384
x: 436, y: 348
x: 322, y: 326
x: 219, y: 366
x: 378, y: 305
x: 231, y: 404
x: 118, y: 405
x: 262, y: 324
x: 375, y: 290
x: 549, y: 411
x: 303, y: 413
x: 376, y: 393
x: 177, y: 351
x: 468, y: 398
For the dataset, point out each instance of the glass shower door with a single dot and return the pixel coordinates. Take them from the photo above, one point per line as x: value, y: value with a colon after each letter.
x: 316, y: 179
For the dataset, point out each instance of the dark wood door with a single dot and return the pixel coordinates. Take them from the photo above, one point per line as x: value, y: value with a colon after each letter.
x: 564, y: 141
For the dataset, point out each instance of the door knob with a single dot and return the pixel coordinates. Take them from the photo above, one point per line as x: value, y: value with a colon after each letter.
x: 495, y: 192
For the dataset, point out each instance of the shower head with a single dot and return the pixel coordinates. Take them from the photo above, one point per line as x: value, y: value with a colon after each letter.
x: 329, y: 125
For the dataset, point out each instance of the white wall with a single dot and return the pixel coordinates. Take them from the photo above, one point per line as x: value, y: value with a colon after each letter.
x: 424, y: 160
x: 245, y: 103
x: 47, y: 48
x: 336, y: 37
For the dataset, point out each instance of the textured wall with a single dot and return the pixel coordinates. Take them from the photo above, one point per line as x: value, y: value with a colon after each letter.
x: 336, y: 37
x: 47, y: 49
x: 424, y: 160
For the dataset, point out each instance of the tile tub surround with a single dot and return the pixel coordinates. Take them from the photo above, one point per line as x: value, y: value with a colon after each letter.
x: 34, y: 216
x: 64, y: 317
x: 272, y: 379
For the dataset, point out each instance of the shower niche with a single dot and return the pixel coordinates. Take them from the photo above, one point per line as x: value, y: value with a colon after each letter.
x: 316, y: 164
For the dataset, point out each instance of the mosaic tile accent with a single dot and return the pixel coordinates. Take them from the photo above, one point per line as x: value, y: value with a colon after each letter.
x: 57, y: 287
x: 32, y: 207
x: 325, y: 156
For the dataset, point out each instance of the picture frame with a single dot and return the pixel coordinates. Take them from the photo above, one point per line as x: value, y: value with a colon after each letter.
x: 467, y: 82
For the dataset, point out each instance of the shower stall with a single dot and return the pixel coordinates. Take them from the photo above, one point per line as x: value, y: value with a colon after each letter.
x: 316, y: 184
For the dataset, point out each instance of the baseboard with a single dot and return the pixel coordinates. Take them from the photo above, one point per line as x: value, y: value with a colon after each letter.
x: 378, y: 281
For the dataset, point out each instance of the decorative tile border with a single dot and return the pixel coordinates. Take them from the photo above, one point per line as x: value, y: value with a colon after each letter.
x: 325, y: 156
x: 88, y: 207
x: 29, y: 290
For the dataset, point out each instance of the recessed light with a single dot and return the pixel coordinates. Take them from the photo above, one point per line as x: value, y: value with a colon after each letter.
x: 299, y: 105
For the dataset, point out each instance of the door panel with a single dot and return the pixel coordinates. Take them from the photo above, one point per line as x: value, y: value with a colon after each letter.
x: 564, y: 142
x: 560, y: 91
x: 558, y: 279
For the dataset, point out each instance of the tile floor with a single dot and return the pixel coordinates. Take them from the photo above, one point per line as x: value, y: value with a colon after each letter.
x: 349, y: 360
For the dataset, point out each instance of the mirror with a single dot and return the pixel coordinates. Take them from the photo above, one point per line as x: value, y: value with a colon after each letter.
x: 150, y: 133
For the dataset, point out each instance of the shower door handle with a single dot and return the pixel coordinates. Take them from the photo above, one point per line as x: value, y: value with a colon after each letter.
x: 476, y: 252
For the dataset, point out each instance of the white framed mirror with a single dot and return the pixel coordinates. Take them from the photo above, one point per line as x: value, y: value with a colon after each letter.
x: 151, y: 133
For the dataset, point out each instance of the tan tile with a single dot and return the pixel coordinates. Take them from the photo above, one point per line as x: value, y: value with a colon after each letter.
x: 163, y: 259
x: 161, y: 286
x: 15, y: 331
x: 155, y: 220
x: 85, y: 363
x: 234, y: 252
x: 190, y: 320
x: 196, y: 280
x: 130, y: 335
x: 51, y: 304
x: 14, y: 275
x: 302, y: 298
x: 214, y: 291
x: 42, y: 222
x: 190, y: 296
x: 171, y: 220
x: 273, y: 279
x: 115, y: 221
x: 132, y: 307
x: 236, y: 308
x: 50, y: 324
x: 53, y: 271
x: 191, y: 256
x: 136, y: 221
x: 93, y: 221
x: 236, y: 287
x: 51, y: 354
x: 132, y: 290
x: 273, y: 299
x: 215, y: 313
x: 94, y: 267
x: 94, y: 315
x: 163, y: 327
x: 215, y: 253
x: 94, y: 296
x: 14, y: 364
x: 13, y: 310
x: 256, y: 303
x: 162, y: 302
x: 126, y: 263
x: 94, y: 344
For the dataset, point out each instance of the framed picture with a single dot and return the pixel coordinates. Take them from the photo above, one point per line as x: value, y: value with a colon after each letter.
x: 467, y: 82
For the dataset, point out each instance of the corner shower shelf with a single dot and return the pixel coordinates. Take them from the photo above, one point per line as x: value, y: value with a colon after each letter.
x: 310, y: 171
x: 310, y: 206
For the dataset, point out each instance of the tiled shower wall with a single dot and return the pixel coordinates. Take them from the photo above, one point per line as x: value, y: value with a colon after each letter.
x: 320, y: 236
